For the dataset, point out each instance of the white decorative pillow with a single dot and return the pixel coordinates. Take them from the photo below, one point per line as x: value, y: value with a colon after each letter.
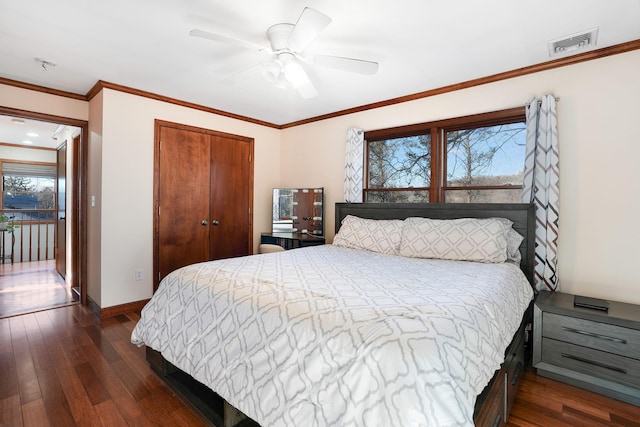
x: 514, y: 239
x: 464, y: 239
x: 377, y: 235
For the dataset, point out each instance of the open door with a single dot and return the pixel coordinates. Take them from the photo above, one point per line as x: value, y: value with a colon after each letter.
x: 61, y: 217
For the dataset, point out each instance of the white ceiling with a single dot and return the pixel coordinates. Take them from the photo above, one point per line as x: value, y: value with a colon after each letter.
x: 419, y: 44
x: 30, y: 133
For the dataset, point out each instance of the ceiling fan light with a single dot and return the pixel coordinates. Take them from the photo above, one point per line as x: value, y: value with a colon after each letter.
x: 295, y: 74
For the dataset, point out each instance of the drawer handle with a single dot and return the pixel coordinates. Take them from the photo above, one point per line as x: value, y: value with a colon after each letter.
x: 591, y: 362
x: 591, y: 334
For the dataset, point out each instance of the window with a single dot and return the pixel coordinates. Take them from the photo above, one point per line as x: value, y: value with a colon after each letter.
x: 30, y: 188
x: 399, y: 169
x: 476, y: 158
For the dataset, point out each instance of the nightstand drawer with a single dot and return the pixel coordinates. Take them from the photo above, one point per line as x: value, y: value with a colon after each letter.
x: 591, y: 362
x: 600, y: 336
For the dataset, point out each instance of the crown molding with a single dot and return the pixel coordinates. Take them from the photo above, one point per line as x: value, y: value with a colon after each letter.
x: 43, y: 89
x: 544, y: 66
x: 150, y: 95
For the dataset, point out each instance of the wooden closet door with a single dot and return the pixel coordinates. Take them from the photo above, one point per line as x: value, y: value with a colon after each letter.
x: 231, y: 195
x: 203, y: 196
x: 183, y: 169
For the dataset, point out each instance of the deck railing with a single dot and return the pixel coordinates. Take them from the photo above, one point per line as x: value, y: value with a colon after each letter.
x: 32, y: 237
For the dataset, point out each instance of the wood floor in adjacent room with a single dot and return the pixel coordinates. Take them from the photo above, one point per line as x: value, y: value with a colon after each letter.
x: 26, y: 287
x: 65, y: 367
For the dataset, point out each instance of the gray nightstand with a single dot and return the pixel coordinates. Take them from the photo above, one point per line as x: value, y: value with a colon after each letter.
x: 588, y: 348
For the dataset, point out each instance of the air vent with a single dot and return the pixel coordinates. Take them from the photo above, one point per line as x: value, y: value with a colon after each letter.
x: 573, y: 42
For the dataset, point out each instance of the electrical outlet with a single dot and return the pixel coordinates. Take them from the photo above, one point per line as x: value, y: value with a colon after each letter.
x: 138, y: 274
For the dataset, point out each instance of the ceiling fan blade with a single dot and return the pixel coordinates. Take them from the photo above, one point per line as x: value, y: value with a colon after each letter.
x: 307, y: 90
x: 228, y: 40
x: 309, y: 25
x: 346, y: 64
x: 244, y: 74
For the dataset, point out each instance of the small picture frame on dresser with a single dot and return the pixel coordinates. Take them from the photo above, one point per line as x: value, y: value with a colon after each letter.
x: 593, y: 303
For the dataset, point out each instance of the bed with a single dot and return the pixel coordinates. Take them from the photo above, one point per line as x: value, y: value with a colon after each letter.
x: 344, y: 335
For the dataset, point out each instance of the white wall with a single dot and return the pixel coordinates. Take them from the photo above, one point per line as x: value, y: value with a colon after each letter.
x: 599, y: 150
x: 126, y: 193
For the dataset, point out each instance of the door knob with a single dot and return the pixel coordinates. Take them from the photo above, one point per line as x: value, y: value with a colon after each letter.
x: 204, y: 222
x: 215, y: 222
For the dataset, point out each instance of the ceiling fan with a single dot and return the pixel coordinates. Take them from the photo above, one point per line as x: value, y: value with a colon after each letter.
x: 287, y: 41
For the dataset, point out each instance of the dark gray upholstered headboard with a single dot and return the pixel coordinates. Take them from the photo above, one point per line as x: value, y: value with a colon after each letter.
x: 522, y: 215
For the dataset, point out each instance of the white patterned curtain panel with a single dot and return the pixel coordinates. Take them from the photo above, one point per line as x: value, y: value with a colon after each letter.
x: 354, y: 166
x: 541, y: 187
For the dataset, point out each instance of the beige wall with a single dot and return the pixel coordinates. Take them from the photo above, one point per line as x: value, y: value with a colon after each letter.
x: 94, y: 190
x: 598, y: 154
x: 599, y: 150
x: 126, y: 192
x: 27, y: 154
x: 21, y: 99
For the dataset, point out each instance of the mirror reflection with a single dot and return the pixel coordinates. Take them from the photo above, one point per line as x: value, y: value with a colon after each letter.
x: 298, y: 210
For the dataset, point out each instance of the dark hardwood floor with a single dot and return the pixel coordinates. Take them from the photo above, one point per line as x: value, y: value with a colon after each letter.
x: 31, y: 286
x: 65, y: 367
x: 548, y: 403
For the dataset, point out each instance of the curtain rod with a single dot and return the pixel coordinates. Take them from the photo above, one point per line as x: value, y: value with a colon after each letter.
x: 557, y: 98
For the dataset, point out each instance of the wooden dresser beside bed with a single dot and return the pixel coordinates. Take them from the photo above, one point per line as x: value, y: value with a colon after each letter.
x: 492, y: 404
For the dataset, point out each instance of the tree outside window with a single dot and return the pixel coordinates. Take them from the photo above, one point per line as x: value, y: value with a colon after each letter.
x: 470, y: 159
x: 399, y: 169
x: 32, y: 192
x: 485, y: 164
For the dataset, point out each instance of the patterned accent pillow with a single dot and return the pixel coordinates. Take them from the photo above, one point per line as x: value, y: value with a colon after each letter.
x: 377, y: 235
x: 465, y: 239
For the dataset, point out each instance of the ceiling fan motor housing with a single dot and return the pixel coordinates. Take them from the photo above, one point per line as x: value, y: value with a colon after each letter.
x: 278, y: 35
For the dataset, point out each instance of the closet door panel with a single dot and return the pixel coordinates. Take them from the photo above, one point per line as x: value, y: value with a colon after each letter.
x: 231, y: 195
x: 184, y: 176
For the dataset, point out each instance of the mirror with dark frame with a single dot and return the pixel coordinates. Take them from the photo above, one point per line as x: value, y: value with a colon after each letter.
x: 298, y: 210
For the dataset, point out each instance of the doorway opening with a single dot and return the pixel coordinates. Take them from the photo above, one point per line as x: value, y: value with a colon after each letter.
x: 43, y: 161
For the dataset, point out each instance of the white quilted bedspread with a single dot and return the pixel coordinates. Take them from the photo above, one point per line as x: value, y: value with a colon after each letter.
x: 329, y: 336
